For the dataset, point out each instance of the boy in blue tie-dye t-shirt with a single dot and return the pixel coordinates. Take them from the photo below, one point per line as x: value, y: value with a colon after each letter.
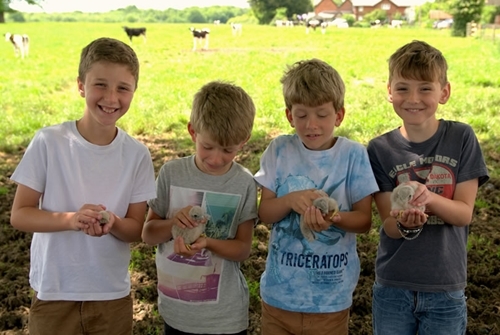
x: 309, y: 284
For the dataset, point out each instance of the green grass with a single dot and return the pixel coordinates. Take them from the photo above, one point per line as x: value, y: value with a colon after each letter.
x: 43, y: 90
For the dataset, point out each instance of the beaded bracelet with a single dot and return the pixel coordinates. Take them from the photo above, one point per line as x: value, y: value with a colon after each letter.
x: 407, y: 231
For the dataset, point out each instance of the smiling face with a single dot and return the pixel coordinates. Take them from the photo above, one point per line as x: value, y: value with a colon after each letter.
x: 108, y: 91
x: 315, y: 125
x: 416, y: 101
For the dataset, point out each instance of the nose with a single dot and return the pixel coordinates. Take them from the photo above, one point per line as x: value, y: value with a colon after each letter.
x: 312, y: 122
x: 413, y: 96
x: 111, y: 95
x: 216, y: 158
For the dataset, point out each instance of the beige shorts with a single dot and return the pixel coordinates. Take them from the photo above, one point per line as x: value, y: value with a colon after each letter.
x: 110, y: 317
x: 277, y: 321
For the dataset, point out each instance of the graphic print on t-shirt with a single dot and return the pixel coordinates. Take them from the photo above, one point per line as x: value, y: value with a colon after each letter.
x: 196, y: 279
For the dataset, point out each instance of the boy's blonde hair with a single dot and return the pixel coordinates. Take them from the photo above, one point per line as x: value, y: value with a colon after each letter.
x: 418, y: 60
x: 108, y: 50
x: 313, y: 83
x: 223, y: 111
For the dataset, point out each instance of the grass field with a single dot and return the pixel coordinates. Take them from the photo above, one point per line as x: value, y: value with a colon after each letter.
x: 41, y: 90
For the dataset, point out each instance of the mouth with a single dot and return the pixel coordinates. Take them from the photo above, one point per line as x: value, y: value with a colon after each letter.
x: 413, y: 110
x: 108, y: 110
x: 313, y: 136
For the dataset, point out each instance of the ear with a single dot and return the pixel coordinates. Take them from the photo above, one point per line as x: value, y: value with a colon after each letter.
x: 339, y: 116
x: 445, y: 93
x: 289, y: 117
x: 81, y: 87
x: 389, y: 93
x: 191, y: 131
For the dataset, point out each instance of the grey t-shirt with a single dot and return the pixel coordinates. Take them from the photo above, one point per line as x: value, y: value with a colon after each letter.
x: 437, y: 259
x: 204, y: 293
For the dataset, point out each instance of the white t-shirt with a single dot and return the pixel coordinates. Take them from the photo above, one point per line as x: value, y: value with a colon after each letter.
x: 69, y: 172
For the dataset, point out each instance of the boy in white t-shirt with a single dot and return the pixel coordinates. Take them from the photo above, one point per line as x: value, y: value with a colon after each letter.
x: 82, y: 190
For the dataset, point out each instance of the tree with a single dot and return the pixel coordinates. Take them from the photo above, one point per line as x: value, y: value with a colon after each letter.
x: 465, y: 11
x: 265, y: 10
x: 5, y: 7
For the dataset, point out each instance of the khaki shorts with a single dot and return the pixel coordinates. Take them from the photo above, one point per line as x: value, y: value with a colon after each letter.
x: 110, y: 317
x: 277, y: 321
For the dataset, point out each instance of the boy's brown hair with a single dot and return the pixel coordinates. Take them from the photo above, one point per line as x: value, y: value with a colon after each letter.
x: 419, y: 61
x: 223, y: 111
x: 312, y: 83
x: 108, y: 50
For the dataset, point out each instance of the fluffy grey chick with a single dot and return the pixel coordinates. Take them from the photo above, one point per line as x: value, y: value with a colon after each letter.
x: 190, y: 235
x: 401, y: 196
x: 325, y: 204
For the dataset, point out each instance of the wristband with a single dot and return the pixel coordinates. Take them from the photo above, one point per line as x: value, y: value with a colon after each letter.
x: 405, y: 231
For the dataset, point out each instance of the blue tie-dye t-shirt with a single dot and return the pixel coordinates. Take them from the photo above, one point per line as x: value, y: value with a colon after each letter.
x: 318, y: 276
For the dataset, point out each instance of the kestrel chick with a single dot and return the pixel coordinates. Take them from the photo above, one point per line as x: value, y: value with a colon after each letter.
x: 401, y: 196
x: 190, y: 235
x: 104, y: 217
x: 325, y: 204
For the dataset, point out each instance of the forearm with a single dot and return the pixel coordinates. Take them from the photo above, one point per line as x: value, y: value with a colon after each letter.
x: 34, y: 220
x: 390, y: 228
x: 354, y: 221
x: 233, y: 250
x: 454, y: 212
x: 127, y: 229
x: 157, y: 231
x: 274, y: 210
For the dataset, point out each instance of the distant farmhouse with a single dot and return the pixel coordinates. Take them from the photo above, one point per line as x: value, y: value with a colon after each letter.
x: 359, y: 8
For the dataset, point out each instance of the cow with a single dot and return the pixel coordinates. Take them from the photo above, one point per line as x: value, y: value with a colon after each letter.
x: 237, y: 28
x: 314, y: 23
x: 199, y: 36
x: 135, y: 32
x: 21, y: 43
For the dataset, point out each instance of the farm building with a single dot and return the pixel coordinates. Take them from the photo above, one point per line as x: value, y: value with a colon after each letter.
x: 359, y: 8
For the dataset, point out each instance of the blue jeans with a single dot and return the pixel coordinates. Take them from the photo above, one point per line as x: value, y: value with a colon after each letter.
x: 402, y: 312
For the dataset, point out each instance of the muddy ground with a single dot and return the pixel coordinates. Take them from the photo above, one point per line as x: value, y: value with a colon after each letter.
x: 483, y: 288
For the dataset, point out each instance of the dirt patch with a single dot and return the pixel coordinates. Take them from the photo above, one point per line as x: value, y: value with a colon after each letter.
x: 483, y: 288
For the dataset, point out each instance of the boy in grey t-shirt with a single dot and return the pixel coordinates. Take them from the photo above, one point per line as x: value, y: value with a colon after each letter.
x: 421, y: 265
x: 201, y: 288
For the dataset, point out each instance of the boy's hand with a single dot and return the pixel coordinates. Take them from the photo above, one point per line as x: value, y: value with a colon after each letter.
x: 410, y: 218
x: 183, y: 219
x: 300, y: 201
x: 422, y: 196
x: 93, y: 220
x: 315, y: 219
x: 181, y: 248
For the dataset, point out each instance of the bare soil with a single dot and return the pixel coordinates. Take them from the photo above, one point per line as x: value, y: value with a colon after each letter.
x: 483, y: 288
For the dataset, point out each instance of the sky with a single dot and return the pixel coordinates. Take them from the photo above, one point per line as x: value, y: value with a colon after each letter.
x: 58, y: 6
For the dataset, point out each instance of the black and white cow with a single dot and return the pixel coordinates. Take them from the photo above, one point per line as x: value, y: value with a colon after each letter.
x: 21, y: 43
x: 199, y: 36
x: 316, y: 22
x: 135, y: 32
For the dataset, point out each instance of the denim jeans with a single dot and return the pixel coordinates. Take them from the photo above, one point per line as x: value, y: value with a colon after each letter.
x: 402, y: 312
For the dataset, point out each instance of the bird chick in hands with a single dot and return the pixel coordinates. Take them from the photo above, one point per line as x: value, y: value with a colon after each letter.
x: 326, y: 205
x: 401, y: 197
x: 190, y: 235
